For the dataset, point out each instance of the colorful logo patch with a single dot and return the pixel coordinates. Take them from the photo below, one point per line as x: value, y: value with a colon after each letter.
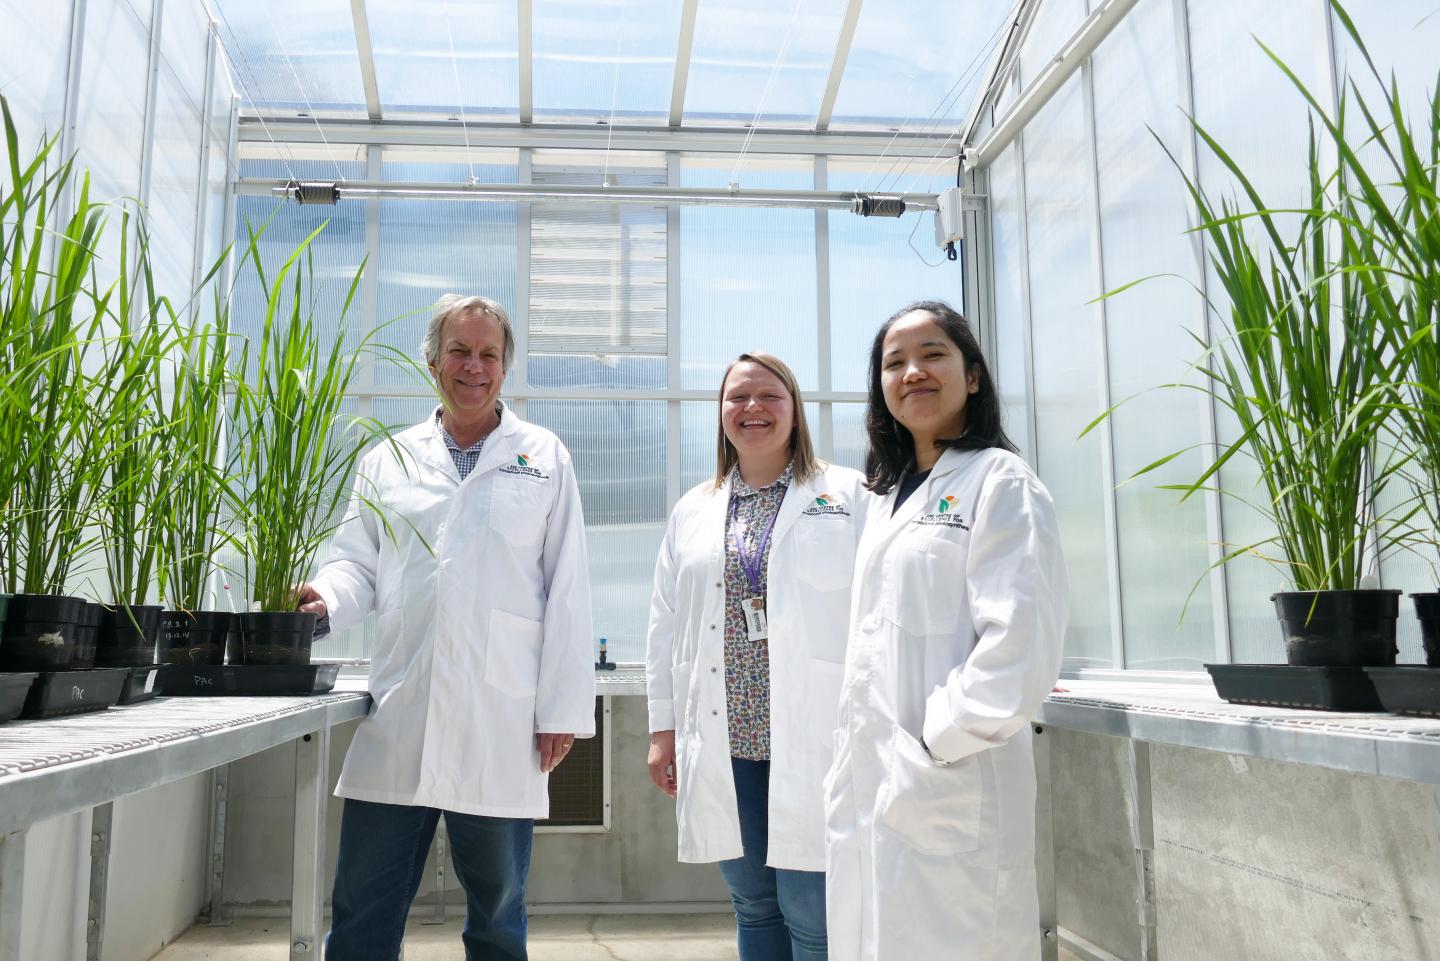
x: 944, y: 515
x: 827, y: 504
x: 522, y: 467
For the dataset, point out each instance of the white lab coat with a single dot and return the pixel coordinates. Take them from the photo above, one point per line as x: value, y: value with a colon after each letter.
x: 484, y: 638
x: 812, y: 552
x: 958, y: 619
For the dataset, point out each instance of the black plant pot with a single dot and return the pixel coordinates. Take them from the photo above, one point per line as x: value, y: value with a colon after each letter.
x: 1339, y: 628
x: 39, y: 632
x: 276, y: 638
x: 1427, y: 609
x: 87, y: 637
x: 127, y: 636
x: 193, y: 637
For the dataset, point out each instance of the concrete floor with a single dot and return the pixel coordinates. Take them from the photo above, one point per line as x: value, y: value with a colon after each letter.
x: 573, y: 937
x: 578, y: 937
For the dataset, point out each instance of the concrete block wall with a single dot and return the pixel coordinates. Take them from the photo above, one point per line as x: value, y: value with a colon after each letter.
x: 1254, y: 859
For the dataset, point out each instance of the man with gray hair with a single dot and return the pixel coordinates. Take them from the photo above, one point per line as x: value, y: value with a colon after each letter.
x: 465, y: 537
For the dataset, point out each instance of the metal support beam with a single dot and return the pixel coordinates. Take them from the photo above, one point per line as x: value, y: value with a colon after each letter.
x: 519, y: 377
x: 214, y: 912
x: 101, y: 820
x: 1000, y: 59
x: 70, y: 119
x: 1074, y: 52
x: 312, y: 755
x: 12, y: 892
x: 525, y: 21
x: 366, y: 49
x: 1045, y: 845
x: 570, y: 136
x: 1210, y: 429
x: 202, y: 193
x: 1142, y: 836
x: 837, y: 65
x: 152, y: 87
x: 682, y: 61
x: 673, y: 459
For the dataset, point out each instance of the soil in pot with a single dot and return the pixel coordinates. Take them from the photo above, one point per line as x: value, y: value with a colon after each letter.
x: 1339, y: 628
x: 276, y: 638
x: 1427, y: 609
x: 193, y: 637
x: 127, y: 636
x: 40, y: 632
x: 87, y: 636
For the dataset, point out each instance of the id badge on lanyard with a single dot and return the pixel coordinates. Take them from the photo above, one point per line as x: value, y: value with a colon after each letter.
x: 757, y: 625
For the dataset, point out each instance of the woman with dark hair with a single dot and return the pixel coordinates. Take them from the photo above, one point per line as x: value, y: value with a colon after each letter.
x: 957, y: 621
x: 744, y: 655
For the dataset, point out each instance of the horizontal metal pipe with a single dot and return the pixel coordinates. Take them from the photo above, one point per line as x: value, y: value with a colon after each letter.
x: 721, y: 196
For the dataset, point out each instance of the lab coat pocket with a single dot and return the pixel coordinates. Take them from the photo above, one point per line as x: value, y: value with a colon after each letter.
x: 825, y: 549
x: 932, y: 808
x: 512, y: 653
x: 518, y: 510
x: 930, y: 595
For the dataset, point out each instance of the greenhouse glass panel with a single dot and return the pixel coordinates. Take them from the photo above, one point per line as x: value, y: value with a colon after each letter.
x: 1251, y: 108
x: 1008, y: 359
x: 747, y: 275
x: 32, y: 71
x: 337, y: 252
x: 878, y: 265
x: 111, y: 123
x: 299, y: 60
x: 434, y: 247
x: 847, y: 425
x: 1150, y: 334
x: 1066, y: 345
x: 184, y: 37
x: 762, y: 62
x: 1053, y: 23
x: 598, y: 271
x: 618, y: 449
x: 917, y: 67
x: 174, y: 182
x: 600, y: 60
x: 441, y: 58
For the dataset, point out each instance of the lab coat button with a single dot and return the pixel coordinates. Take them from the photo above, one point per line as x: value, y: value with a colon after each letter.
x: 712, y: 627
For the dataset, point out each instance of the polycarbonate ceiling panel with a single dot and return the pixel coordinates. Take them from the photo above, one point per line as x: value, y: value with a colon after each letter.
x: 916, y: 64
x: 762, y: 61
x: 595, y: 58
x: 434, y: 56
x: 295, y: 59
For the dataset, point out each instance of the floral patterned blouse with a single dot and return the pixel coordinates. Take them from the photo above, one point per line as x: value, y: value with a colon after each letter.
x: 747, y: 663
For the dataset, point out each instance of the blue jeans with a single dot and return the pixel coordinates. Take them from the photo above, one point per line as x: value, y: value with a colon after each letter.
x: 382, y: 854
x: 780, y: 914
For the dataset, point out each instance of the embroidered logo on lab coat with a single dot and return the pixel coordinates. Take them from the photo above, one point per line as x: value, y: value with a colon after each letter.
x: 827, y: 504
x: 943, y: 515
x: 523, y: 468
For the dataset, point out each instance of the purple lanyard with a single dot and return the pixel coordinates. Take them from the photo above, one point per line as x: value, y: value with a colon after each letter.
x: 750, y: 564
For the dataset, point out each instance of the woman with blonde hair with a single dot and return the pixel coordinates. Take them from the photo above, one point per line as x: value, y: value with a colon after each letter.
x: 744, y: 655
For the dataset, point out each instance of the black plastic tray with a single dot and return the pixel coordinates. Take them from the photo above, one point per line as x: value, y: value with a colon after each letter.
x: 13, y: 688
x: 240, y: 680
x: 1288, y: 685
x: 74, y: 692
x: 142, y: 684
x: 1412, y: 689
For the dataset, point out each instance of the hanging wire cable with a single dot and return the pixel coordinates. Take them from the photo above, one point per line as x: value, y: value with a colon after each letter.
x: 459, y: 92
x: 299, y: 84
x: 765, y: 94
x: 614, y: 91
x: 937, y: 114
x: 245, y: 88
